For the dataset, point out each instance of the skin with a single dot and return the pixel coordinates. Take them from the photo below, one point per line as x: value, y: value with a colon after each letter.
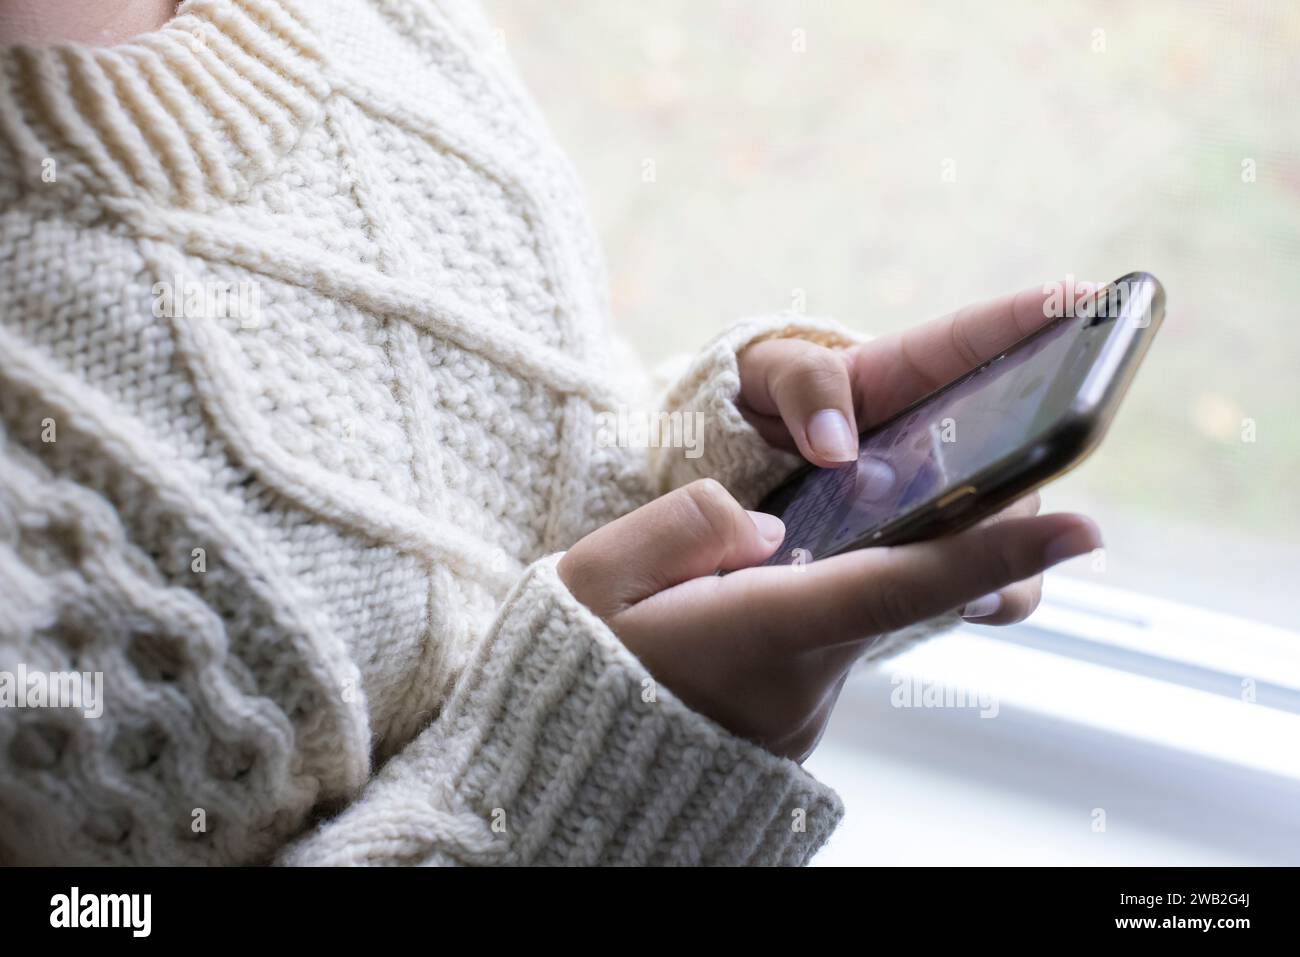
x: 765, y: 651
x: 101, y: 22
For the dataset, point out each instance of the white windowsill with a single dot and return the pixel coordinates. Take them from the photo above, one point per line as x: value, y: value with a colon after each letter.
x: 1105, y: 700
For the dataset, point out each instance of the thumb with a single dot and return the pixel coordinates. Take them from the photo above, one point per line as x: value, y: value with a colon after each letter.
x: 693, y: 531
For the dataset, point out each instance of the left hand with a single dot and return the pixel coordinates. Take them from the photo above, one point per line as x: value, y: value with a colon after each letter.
x: 809, y: 399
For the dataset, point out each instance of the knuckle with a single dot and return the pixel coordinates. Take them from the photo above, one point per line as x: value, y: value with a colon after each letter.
x: 959, y: 334
x: 813, y: 367
x: 577, y: 569
x: 997, y: 559
x: 1020, y: 600
x: 714, y: 511
x: 572, y: 564
x: 899, y: 608
x: 890, y: 607
x: 708, y: 496
x: 1032, y: 593
x: 1015, y: 606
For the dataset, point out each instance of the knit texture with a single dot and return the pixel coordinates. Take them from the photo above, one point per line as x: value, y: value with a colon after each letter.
x: 302, y: 363
x: 585, y: 761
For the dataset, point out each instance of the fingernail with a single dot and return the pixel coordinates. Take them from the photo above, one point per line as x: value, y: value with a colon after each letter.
x: 1076, y: 542
x: 831, y: 436
x: 982, y: 607
x: 770, y: 528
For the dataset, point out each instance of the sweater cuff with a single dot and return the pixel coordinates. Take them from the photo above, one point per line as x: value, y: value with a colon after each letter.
x: 571, y: 741
x: 558, y: 747
x: 731, y: 450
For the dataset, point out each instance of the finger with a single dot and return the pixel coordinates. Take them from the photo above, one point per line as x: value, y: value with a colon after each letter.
x: 894, y: 371
x: 807, y: 387
x: 1015, y: 602
x: 869, y: 592
x: 690, y: 532
x: 1006, y: 606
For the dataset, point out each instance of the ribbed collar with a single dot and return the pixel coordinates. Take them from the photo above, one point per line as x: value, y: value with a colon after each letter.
x: 192, y: 113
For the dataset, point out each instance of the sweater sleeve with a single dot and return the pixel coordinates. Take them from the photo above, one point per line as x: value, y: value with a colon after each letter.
x: 557, y: 747
x: 730, y: 449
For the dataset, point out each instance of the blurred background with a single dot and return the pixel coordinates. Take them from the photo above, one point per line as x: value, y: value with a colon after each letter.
x: 887, y: 163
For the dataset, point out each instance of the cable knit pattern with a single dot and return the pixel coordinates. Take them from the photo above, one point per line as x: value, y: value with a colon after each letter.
x: 301, y: 364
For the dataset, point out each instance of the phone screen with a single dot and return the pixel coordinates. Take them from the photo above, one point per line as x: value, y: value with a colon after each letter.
x: 936, y: 446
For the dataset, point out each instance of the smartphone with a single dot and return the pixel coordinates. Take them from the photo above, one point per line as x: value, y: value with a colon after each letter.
x: 971, y: 448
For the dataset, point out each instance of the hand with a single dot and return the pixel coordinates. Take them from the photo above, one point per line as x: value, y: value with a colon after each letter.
x: 764, y: 651
x: 809, y: 399
x: 815, y: 401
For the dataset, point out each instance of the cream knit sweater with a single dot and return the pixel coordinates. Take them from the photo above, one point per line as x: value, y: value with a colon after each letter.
x: 301, y: 358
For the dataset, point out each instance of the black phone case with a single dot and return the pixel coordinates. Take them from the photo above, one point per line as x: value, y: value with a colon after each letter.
x: 1026, y: 468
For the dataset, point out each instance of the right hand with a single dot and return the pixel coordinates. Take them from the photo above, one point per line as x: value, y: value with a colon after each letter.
x: 764, y: 651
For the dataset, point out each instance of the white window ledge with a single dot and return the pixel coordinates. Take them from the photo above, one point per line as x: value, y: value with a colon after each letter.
x: 1176, y: 728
